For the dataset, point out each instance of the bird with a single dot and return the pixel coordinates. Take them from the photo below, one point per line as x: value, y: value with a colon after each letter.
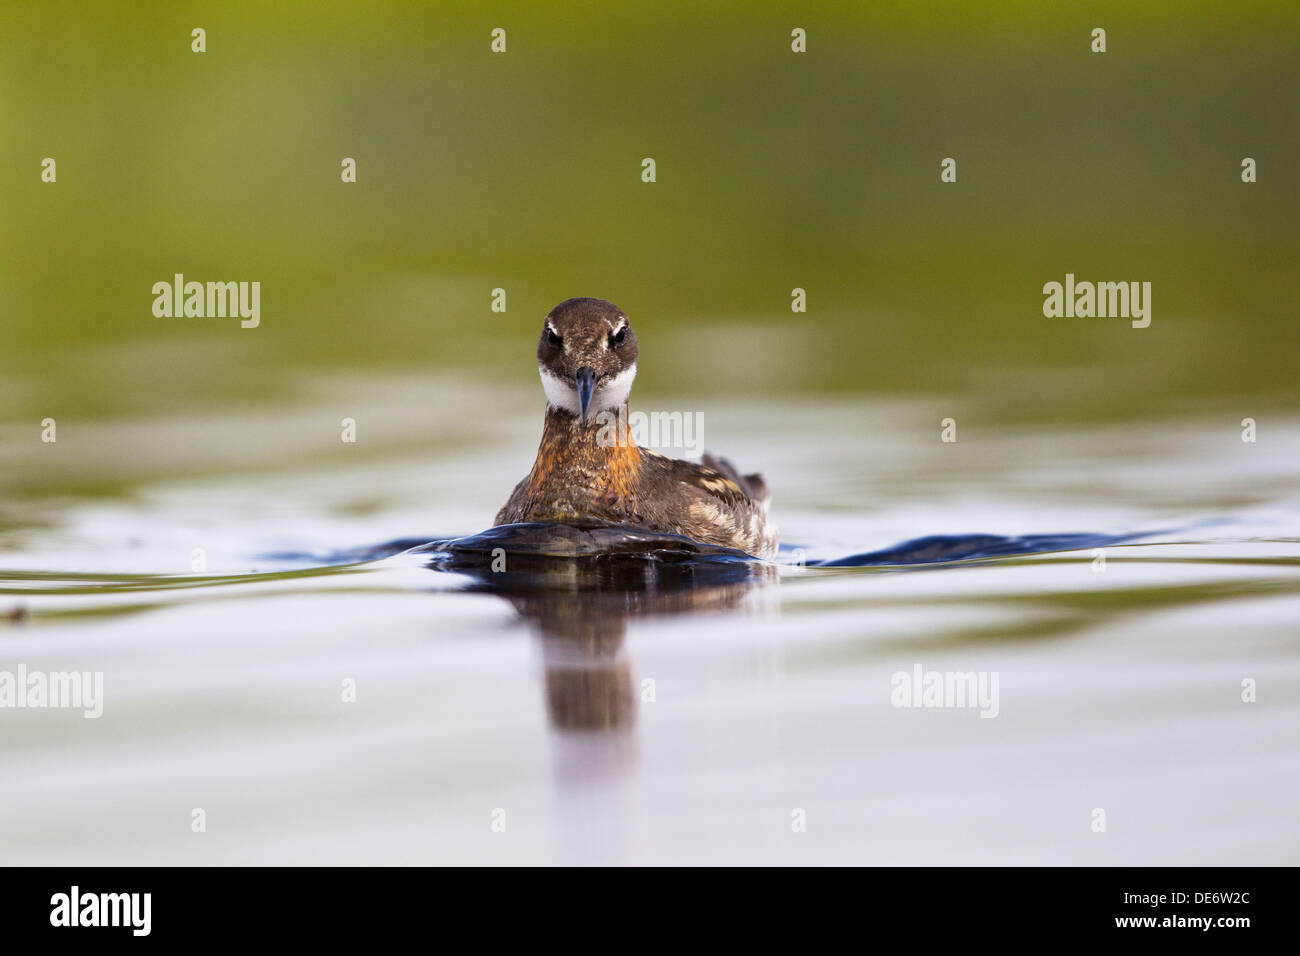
x: 588, y: 471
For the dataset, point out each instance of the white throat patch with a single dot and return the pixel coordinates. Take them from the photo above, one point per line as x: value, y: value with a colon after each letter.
x: 563, y: 395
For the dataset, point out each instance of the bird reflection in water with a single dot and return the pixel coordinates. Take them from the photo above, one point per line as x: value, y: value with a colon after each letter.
x: 578, y: 587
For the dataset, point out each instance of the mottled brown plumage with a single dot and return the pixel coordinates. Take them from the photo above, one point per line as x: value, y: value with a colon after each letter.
x: 587, y: 470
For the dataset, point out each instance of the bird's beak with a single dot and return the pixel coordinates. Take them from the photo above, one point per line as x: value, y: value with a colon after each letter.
x: 585, y: 380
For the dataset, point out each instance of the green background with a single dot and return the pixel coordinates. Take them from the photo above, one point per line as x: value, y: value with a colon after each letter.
x: 775, y: 170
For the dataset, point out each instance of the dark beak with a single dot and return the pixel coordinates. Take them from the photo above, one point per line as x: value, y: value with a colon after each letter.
x: 586, y: 383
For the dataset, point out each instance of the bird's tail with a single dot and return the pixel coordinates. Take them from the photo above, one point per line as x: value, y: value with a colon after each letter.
x: 752, y: 485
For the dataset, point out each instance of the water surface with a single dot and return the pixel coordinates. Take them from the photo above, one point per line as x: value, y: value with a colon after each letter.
x: 668, y: 706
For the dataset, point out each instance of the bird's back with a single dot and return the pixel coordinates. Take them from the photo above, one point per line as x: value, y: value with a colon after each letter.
x: 710, y: 502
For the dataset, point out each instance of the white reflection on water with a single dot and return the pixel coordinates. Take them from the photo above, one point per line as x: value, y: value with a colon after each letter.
x: 1119, y: 690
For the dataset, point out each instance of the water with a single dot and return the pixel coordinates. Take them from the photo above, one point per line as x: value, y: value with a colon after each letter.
x: 1099, y: 537
x: 1121, y: 580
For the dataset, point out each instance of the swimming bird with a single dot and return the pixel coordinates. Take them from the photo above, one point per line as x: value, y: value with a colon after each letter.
x: 589, y: 472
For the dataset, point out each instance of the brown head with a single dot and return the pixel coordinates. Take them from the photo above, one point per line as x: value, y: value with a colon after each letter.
x: 586, y: 357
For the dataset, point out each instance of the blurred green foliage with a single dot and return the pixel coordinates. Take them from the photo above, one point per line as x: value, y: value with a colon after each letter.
x: 775, y: 170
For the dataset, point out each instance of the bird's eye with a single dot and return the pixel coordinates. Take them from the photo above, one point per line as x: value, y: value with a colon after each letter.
x: 617, y: 338
x: 552, y: 339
